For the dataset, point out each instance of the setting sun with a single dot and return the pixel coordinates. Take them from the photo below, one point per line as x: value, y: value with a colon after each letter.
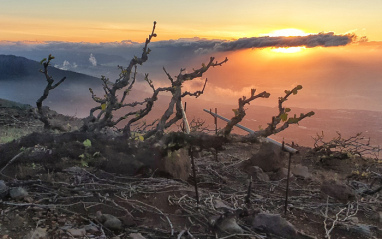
x: 288, y: 49
x: 287, y: 33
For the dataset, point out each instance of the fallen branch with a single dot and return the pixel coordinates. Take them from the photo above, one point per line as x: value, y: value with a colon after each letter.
x: 11, y: 161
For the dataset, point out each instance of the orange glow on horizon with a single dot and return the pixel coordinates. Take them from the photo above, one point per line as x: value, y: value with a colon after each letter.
x: 287, y: 33
x: 288, y: 49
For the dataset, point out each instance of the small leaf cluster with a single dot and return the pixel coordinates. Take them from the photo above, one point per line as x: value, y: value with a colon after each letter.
x: 44, y: 61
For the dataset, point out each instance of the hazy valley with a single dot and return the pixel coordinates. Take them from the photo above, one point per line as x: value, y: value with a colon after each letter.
x: 21, y: 81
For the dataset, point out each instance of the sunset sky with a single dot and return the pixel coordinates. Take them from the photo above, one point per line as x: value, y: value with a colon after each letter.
x: 116, y: 20
x: 336, y: 69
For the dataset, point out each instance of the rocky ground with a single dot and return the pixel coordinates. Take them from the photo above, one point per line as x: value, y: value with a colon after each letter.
x: 63, y: 187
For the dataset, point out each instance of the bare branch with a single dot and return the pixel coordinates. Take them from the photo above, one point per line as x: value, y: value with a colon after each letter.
x: 168, y: 75
x: 356, y: 145
x: 168, y: 118
x: 111, y: 103
x: 283, y: 116
x: 196, y: 93
x: 42, y: 116
x: 240, y: 112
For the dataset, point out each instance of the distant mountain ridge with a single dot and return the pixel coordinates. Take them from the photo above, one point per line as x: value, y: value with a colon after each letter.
x: 22, y: 81
x: 12, y: 67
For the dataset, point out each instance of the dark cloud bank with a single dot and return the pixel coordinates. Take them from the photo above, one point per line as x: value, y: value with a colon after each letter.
x: 314, y: 40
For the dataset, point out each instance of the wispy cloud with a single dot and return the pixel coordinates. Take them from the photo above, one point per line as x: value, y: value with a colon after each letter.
x: 66, y: 65
x: 93, y: 60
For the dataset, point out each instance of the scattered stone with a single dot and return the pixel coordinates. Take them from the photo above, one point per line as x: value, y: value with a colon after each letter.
x: 270, y: 158
x: 354, y: 220
x: 18, y: 193
x: 38, y: 233
x: 75, y: 169
x: 301, y: 171
x: 3, y: 189
x: 229, y: 225
x: 376, y: 216
x: 360, y: 229
x: 136, y: 236
x: 275, y: 224
x: 219, y: 204
x: 257, y: 174
x: 28, y: 199
x: 128, y: 220
x: 77, y: 232
x: 109, y: 221
x: 213, y: 220
x: 282, y: 173
x: 337, y: 190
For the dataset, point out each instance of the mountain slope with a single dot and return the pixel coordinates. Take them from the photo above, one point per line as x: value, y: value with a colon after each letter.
x: 21, y: 81
x: 20, y: 68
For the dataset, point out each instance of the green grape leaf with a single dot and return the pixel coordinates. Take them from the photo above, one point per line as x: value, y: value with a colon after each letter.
x: 87, y: 143
x: 293, y: 120
x: 284, y: 117
x: 287, y: 109
x: 103, y: 106
x: 84, y: 164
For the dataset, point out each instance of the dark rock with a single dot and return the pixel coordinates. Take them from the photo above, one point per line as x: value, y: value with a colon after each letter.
x: 3, y: 189
x: 270, y: 158
x: 301, y: 171
x: 376, y: 216
x: 91, y: 229
x: 220, y: 205
x: 282, y: 173
x: 257, y: 174
x: 337, y: 190
x: 229, y: 225
x: 275, y: 224
x: 18, y: 193
x: 77, y: 232
x: 109, y: 221
x: 136, y: 236
x: 361, y: 230
x: 128, y: 220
